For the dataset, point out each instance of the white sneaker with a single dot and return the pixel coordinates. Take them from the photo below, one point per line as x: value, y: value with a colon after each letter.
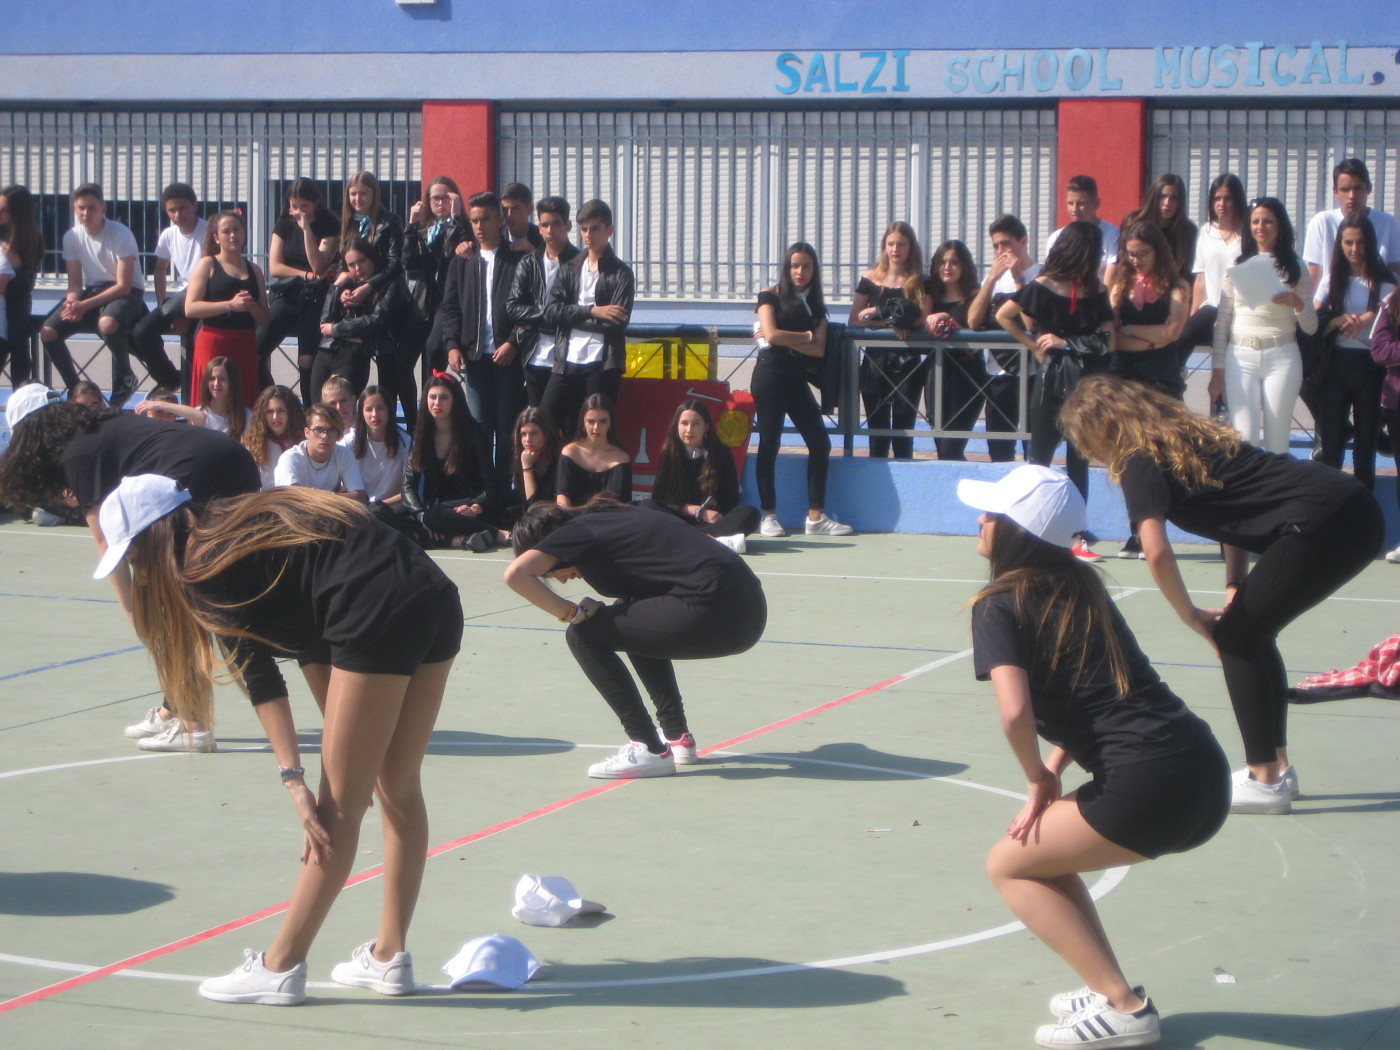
x: 736, y: 543
x: 632, y: 762
x: 40, y: 516
x: 825, y: 526
x: 1066, y: 1004
x: 1100, y: 1025
x: 174, y: 738
x: 683, y: 750
x: 148, y: 726
x: 1394, y: 556
x: 255, y: 983
x: 394, y: 977
x: 1248, y: 795
x: 1289, y: 775
x: 771, y: 526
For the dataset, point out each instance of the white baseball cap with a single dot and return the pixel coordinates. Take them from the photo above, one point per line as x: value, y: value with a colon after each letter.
x: 134, y: 506
x: 550, y: 900
x: 491, y: 963
x: 28, y: 400
x: 1042, y: 501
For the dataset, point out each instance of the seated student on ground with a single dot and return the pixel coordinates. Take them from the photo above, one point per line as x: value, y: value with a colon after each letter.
x: 696, y: 479
x: 380, y: 446
x: 86, y: 392
x: 535, y: 462
x: 340, y: 395
x: 321, y: 462
x: 221, y: 395
x: 276, y: 423
x: 446, y: 482
x: 169, y: 397
x: 594, y: 461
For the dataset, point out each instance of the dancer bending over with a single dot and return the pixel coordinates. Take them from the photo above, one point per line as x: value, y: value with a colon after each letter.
x: 680, y: 596
x: 375, y: 625
x: 1066, y: 667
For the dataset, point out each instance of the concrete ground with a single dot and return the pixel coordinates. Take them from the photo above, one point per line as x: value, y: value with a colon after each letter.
x: 815, y: 882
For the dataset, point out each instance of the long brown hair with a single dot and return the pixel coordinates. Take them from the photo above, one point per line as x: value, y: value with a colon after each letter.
x: 913, y: 287
x: 184, y: 549
x: 237, y: 407
x: 23, y: 233
x: 542, y: 419
x: 259, y: 438
x: 349, y: 225
x: 670, y: 486
x: 1059, y: 602
x: 1111, y: 419
x: 1164, y: 274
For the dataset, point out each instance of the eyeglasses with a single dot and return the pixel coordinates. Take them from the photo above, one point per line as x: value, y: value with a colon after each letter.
x: 1146, y: 253
x: 439, y: 199
x: 323, y: 432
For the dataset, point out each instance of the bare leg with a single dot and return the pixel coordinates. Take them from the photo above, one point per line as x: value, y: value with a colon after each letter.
x: 1039, y: 880
x: 362, y: 715
x: 402, y: 808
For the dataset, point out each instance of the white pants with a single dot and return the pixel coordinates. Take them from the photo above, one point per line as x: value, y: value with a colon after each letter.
x: 1263, y: 384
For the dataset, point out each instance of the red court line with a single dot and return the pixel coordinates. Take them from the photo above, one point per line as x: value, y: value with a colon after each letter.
x: 371, y: 873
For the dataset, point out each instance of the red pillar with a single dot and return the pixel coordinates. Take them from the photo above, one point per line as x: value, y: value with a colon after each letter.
x: 1105, y: 138
x: 459, y: 140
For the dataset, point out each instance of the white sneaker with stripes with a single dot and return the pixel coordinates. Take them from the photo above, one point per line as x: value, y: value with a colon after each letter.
x: 1099, y: 1024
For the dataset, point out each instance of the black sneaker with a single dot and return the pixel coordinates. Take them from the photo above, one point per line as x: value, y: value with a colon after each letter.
x: 122, y: 389
x: 1132, y: 549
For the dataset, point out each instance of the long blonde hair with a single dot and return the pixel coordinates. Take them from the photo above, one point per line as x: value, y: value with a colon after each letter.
x: 183, y: 629
x: 1111, y: 419
x: 913, y: 287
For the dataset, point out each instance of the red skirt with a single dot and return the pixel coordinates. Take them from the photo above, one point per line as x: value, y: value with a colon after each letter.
x: 239, y: 345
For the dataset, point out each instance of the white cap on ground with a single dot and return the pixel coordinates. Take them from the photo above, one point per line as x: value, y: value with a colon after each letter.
x: 550, y: 900
x: 491, y: 963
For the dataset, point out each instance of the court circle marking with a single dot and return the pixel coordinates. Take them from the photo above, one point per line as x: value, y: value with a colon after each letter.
x: 1107, y: 882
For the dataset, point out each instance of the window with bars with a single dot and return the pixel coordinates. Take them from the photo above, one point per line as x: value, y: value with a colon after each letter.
x: 231, y: 159
x: 1283, y: 152
x: 707, y: 200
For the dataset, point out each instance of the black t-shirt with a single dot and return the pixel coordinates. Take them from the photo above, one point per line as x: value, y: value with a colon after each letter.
x: 1090, y: 719
x: 1264, y: 496
x: 1051, y: 311
x: 294, y: 241
x: 348, y: 592
x: 627, y: 552
x: 206, y: 462
x: 789, y: 318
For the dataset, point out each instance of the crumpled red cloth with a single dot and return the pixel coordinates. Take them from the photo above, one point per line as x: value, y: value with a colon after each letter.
x: 1377, y: 675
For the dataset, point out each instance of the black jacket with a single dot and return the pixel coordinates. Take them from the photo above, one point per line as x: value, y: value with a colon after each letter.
x: 427, y: 265
x: 375, y: 323
x: 387, y: 237
x: 616, y: 287
x: 526, y: 303
x: 460, y: 315
x: 429, y: 485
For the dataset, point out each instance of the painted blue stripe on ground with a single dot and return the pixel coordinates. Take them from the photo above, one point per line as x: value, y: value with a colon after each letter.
x: 70, y: 663
x: 59, y: 598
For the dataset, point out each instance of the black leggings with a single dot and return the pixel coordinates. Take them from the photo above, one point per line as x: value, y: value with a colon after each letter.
x: 1352, y: 392
x: 150, y: 348
x: 964, y: 392
x: 1290, y: 577
x: 780, y: 389
x: 289, y: 314
x: 653, y: 632
x: 890, y: 385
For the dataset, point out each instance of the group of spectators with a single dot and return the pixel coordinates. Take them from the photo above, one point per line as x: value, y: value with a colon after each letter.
x: 1137, y: 300
x: 514, y: 316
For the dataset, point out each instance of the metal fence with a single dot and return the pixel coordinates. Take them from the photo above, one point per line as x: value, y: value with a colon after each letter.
x: 1279, y: 151
x: 232, y: 159
x: 706, y: 201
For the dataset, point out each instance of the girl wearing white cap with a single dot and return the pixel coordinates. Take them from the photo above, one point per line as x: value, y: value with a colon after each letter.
x: 1066, y: 667
x: 375, y: 625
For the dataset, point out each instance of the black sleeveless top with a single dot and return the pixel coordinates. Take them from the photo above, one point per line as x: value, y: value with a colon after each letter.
x: 222, y: 288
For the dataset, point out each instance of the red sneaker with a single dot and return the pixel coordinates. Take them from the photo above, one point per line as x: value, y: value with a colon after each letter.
x: 1082, y: 551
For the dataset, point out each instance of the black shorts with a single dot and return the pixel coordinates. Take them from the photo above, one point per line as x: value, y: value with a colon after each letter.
x: 428, y: 633
x: 1160, y: 805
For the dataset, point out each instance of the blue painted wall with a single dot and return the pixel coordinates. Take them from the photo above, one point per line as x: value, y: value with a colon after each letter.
x: 920, y: 496
x: 69, y: 27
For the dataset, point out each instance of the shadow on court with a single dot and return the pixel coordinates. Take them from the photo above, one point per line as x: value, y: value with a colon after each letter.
x: 845, y: 761
x: 443, y: 742
x: 56, y: 893
x: 687, y: 982
x: 1299, y: 1031
x: 1366, y: 802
